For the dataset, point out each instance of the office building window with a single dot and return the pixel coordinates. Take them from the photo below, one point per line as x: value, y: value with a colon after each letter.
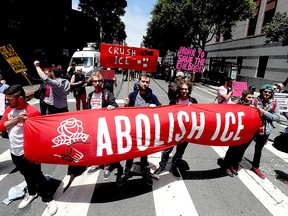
x: 262, y: 66
x: 269, y: 11
x: 253, y: 22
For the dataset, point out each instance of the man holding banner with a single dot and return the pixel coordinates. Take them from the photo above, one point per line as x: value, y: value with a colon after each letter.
x: 141, y: 97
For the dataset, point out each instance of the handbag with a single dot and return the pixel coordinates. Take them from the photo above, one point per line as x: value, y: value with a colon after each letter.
x: 76, y: 92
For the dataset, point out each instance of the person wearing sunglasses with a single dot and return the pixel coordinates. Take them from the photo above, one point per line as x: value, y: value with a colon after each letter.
x: 100, y: 97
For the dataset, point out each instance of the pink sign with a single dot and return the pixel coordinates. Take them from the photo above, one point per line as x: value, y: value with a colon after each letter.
x: 238, y: 88
x: 190, y: 60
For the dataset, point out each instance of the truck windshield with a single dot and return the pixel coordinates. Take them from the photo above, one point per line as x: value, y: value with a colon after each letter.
x: 82, y: 61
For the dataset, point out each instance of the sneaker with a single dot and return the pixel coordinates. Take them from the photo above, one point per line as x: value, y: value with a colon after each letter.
x: 147, y: 179
x: 159, y: 170
x: 258, y: 172
x: 106, y: 175
x: 51, y: 207
x: 121, y: 180
x: 175, y: 172
x: 27, y: 199
x: 93, y: 169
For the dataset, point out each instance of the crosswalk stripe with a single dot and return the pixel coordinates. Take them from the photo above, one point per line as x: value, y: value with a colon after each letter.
x: 5, y: 156
x: 267, y: 193
x: 171, y: 196
x: 76, y: 199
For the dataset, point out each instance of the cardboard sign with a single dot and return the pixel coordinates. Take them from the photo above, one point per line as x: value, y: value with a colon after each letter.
x: 107, y: 74
x: 12, y: 58
x: 282, y: 99
x: 116, y: 56
x: 238, y: 88
x: 190, y: 60
x: 91, y: 137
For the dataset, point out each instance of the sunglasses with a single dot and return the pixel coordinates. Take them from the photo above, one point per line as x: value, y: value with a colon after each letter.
x: 267, y: 92
x: 97, y: 81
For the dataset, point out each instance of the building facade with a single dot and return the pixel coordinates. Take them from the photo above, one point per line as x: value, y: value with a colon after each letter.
x: 254, y: 61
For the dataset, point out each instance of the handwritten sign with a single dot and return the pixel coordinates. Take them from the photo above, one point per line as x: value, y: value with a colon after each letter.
x: 107, y: 74
x: 12, y: 58
x: 190, y: 59
x: 282, y: 99
x: 116, y: 56
x: 238, y: 88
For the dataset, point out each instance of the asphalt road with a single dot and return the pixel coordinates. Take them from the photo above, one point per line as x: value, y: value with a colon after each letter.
x: 203, y: 190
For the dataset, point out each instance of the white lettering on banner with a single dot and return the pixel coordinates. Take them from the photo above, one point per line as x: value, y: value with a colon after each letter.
x: 121, y: 60
x: 122, y: 55
x: 180, y: 115
x: 103, y: 137
x: 121, y: 134
x: 147, y: 132
x: 195, y: 127
x: 143, y: 130
x: 157, y: 141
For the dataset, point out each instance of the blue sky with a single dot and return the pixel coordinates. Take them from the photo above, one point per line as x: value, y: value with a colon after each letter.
x: 136, y: 18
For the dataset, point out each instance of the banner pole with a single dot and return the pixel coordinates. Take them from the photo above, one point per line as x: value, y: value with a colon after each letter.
x: 28, y: 80
x: 128, y: 75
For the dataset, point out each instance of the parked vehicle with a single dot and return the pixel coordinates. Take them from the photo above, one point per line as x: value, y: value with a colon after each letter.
x: 87, y: 59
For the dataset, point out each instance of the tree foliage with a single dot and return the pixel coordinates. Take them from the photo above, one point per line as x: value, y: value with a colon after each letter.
x: 107, y: 13
x: 277, y: 29
x: 193, y: 23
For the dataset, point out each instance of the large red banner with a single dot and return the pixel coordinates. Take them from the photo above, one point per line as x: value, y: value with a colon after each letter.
x: 116, y: 56
x: 92, y: 137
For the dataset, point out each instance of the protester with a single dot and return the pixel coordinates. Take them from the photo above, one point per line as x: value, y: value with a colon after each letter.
x: 234, y: 154
x: 141, y: 97
x: 184, y: 90
x: 172, y: 87
x: 72, y: 70
x: 100, y: 98
x: 78, y: 84
x: 109, y: 84
x: 269, y: 110
x: 13, y: 119
x: 224, y: 92
x: 60, y: 88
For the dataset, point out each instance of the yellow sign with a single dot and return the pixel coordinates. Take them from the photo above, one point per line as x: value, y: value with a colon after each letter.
x: 12, y: 58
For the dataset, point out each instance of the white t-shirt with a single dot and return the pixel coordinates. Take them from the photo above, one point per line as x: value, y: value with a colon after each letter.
x: 96, y: 100
x: 222, y: 91
x: 16, y: 134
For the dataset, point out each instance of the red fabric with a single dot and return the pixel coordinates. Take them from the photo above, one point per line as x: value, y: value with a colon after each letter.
x: 116, y: 56
x: 100, y: 136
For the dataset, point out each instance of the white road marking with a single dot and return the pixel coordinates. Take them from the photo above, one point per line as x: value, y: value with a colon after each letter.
x: 5, y: 156
x: 171, y: 196
x: 267, y: 193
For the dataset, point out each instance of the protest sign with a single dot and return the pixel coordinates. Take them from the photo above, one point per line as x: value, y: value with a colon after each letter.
x: 116, y: 56
x: 238, y: 88
x: 12, y: 58
x: 102, y: 136
x: 107, y: 74
x: 282, y: 99
x: 190, y: 59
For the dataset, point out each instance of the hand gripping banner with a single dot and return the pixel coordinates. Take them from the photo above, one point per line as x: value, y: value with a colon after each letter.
x: 91, y: 137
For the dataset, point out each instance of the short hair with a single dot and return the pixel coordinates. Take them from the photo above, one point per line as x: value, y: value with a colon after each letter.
x: 95, y: 74
x: 143, y: 74
x: 247, y: 92
x: 16, y: 90
x: 58, y: 72
x: 185, y: 82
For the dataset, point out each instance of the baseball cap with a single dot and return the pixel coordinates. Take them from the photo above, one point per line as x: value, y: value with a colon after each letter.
x: 267, y: 86
x: 180, y: 73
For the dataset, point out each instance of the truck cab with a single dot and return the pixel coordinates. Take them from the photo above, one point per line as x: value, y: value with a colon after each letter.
x: 87, y: 59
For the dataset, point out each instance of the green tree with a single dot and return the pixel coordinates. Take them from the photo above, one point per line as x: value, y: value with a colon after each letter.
x: 107, y: 13
x: 277, y: 29
x: 193, y: 23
